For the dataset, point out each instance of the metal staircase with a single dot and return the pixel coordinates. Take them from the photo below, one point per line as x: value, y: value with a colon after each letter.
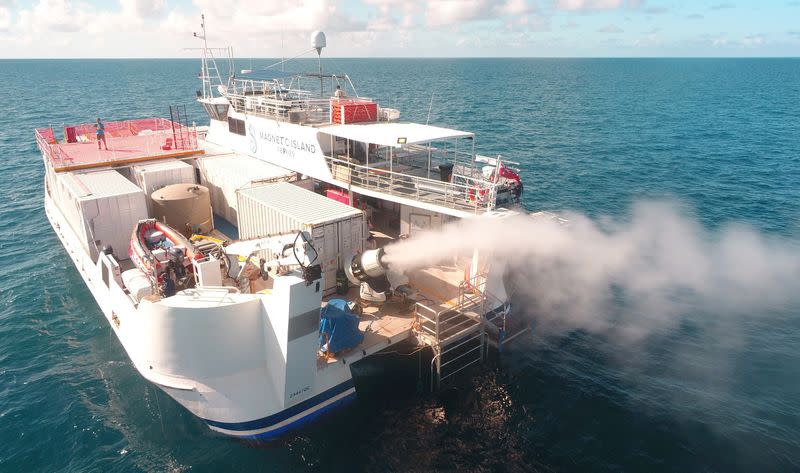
x: 455, y: 333
x: 460, y: 333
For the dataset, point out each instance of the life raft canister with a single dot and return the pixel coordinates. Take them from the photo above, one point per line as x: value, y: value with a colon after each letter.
x: 478, y: 193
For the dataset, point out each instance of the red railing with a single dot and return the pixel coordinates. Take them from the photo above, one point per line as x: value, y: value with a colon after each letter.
x: 141, y: 138
x: 46, y: 140
x: 129, y: 128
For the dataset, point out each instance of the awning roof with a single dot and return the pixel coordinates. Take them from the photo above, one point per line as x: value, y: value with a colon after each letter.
x: 393, y: 134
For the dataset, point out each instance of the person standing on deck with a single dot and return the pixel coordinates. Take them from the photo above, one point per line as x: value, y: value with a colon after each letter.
x: 101, y: 134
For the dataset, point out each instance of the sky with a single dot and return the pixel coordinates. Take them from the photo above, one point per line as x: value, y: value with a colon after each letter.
x: 402, y: 28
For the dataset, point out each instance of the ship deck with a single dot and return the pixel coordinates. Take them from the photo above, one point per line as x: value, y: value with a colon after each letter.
x: 128, y: 142
x: 393, y: 322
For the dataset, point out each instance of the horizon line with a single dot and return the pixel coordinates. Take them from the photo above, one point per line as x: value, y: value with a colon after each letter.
x: 404, y: 57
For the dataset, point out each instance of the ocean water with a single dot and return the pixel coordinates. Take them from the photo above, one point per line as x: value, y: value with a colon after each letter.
x: 719, y: 136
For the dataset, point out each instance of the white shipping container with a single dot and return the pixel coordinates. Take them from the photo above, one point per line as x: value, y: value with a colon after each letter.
x: 337, y: 230
x: 153, y: 176
x: 226, y: 174
x: 102, y: 207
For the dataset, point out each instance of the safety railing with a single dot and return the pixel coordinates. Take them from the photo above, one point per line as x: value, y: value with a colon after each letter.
x: 51, y: 151
x: 271, y: 99
x: 472, y: 195
x: 468, y: 351
x: 297, y: 110
x: 447, y: 322
x: 474, y: 290
x: 456, y: 336
x: 129, y: 139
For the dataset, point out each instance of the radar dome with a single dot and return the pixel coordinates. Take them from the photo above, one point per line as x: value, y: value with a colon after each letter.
x: 318, y: 40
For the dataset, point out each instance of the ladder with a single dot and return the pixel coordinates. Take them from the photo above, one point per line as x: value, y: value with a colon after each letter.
x: 455, y: 334
x: 183, y: 137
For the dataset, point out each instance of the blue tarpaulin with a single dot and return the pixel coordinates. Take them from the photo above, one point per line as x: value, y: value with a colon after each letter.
x: 338, y: 327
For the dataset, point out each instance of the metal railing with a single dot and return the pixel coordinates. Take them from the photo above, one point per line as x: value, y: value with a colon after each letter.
x: 437, y: 365
x: 270, y: 99
x: 472, y: 196
x: 462, y: 340
x: 151, y: 135
x: 52, y: 152
x: 474, y: 291
x: 441, y: 331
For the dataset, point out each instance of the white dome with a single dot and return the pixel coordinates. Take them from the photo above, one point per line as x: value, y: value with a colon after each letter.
x: 318, y: 40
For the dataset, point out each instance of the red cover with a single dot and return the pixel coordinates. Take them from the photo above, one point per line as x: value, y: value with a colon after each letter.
x: 349, y: 111
x: 338, y: 195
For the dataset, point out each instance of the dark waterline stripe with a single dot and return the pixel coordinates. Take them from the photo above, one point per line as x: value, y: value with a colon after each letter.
x: 283, y: 415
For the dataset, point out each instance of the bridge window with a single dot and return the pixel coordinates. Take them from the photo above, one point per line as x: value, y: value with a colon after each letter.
x: 236, y: 126
x: 216, y: 111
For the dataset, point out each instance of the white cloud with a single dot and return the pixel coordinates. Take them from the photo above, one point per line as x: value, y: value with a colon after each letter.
x: 722, y: 6
x: 754, y: 40
x: 61, y: 16
x: 719, y: 41
x: 513, y: 8
x: 259, y: 18
x: 5, y: 19
x: 143, y: 8
x: 610, y: 29
x: 448, y: 12
x: 586, y: 5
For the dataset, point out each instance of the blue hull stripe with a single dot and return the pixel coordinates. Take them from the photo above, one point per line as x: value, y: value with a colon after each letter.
x: 283, y: 415
x: 271, y: 434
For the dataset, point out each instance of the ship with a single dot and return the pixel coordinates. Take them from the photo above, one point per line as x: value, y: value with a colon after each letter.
x: 242, y: 264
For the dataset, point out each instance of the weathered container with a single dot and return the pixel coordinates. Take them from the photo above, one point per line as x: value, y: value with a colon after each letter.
x: 337, y: 230
x: 226, y: 174
x: 102, y: 207
x: 153, y: 176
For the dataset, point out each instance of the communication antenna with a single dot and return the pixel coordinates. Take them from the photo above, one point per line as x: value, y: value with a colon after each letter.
x: 209, y: 70
x: 318, y: 42
x: 430, y: 107
x: 203, y: 27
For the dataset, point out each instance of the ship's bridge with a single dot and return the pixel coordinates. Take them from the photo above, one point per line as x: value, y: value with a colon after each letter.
x: 367, y: 150
x: 285, y: 101
x: 425, y: 163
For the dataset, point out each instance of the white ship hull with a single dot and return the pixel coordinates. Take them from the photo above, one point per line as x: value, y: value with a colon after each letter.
x: 240, y: 342
x: 237, y: 409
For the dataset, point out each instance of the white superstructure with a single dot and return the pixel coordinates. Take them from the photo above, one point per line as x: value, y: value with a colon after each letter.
x: 306, y: 187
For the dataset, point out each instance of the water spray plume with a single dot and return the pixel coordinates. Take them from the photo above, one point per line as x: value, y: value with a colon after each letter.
x: 629, y: 276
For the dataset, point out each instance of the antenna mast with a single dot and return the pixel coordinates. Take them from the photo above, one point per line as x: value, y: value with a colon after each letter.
x: 318, y: 42
x: 209, y: 68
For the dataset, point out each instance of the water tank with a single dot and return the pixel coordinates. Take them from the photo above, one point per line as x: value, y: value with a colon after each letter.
x: 184, y: 207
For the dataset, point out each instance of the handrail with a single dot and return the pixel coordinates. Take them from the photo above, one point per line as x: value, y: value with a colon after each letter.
x: 52, y: 152
x: 478, y: 283
x: 181, y: 137
x: 478, y: 196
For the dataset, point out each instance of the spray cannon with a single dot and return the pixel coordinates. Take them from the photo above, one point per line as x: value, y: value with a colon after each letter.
x: 368, y: 265
x: 368, y: 270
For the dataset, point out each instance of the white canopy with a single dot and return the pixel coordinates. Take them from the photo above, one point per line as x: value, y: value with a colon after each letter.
x: 393, y: 134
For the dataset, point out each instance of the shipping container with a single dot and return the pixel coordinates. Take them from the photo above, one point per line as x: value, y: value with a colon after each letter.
x: 153, y: 176
x: 102, y: 207
x: 337, y: 230
x: 226, y: 174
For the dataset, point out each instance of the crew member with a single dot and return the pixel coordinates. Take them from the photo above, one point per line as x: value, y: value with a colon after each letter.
x: 101, y: 134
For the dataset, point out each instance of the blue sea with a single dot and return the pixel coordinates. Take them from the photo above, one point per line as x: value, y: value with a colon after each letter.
x: 720, y: 136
